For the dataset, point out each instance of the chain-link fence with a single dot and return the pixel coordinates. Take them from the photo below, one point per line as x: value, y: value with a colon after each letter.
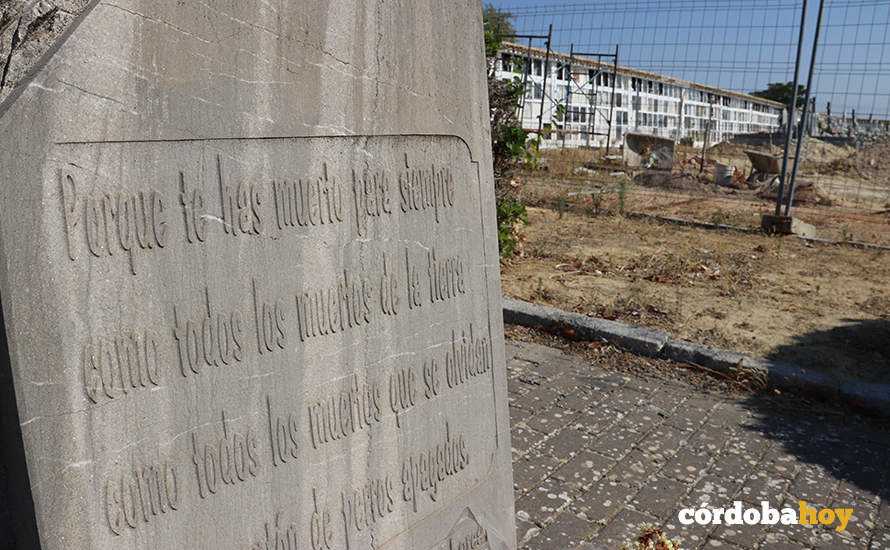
x: 678, y: 108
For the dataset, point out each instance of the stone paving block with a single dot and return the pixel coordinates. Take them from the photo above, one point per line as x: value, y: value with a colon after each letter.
x: 862, y: 522
x: 664, y: 440
x: 702, y: 399
x: 691, y: 536
x: 551, y: 419
x: 707, y: 441
x: 624, y: 399
x: 566, y: 531
x: 831, y: 540
x: 733, y: 466
x: 583, y: 470
x: 780, y: 461
x: 800, y: 533
x: 579, y: 400
x: 525, y: 529
x: 747, y: 443
x: 538, y: 398
x: 517, y: 388
x: 518, y: 415
x: 595, y: 422
x: 712, y: 491
x: 641, y: 419
x: 623, y: 528
x: 774, y: 541
x: 515, y: 367
x: 884, y: 514
x: 531, y: 469
x: 862, y: 485
x: 688, y: 417
x: 523, y: 438
x: 531, y: 378
x: 602, y: 500
x: 730, y: 414
x: 659, y: 497
x: 552, y: 369
x: 542, y: 503
x: 744, y: 535
x: 763, y: 485
x: 566, y: 443
x: 636, y: 468
x: 687, y: 465
x: 567, y: 383
x: 667, y: 399
x: 535, y: 353
x: 715, y: 544
x: 880, y: 540
x: 813, y: 486
x: 616, y: 441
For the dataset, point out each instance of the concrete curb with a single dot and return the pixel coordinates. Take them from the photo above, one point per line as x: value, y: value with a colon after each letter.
x: 866, y: 397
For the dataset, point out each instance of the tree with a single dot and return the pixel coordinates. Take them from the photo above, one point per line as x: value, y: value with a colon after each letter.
x: 509, y: 142
x: 497, y: 25
x: 777, y: 91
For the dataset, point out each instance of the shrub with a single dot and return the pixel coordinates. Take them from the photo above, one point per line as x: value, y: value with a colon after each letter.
x: 651, y: 539
x: 511, y: 215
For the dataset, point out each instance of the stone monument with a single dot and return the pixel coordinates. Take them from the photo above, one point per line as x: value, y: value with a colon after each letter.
x: 250, y: 282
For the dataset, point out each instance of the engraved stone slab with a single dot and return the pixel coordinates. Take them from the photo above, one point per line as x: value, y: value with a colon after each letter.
x: 250, y: 282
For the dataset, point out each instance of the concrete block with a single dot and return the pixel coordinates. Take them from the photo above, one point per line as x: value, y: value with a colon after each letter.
x: 654, y: 152
x: 787, y: 225
x: 640, y: 340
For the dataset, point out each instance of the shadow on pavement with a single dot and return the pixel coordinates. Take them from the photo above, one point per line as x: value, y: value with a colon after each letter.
x: 829, y: 439
x: 858, y: 349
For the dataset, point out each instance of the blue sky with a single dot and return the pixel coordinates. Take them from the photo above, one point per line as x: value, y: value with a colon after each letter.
x: 740, y: 45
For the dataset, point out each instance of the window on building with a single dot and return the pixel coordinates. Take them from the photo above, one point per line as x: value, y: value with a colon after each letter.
x: 537, y: 91
x: 538, y: 67
x: 618, y: 100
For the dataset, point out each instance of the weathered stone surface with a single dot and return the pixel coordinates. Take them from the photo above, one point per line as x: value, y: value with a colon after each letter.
x: 28, y: 30
x: 249, y: 286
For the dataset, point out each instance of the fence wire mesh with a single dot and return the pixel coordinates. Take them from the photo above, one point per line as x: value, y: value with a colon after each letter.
x: 705, y: 58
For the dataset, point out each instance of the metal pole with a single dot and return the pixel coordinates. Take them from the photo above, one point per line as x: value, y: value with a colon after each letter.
x: 612, y: 102
x: 569, y: 82
x: 526, y: 70
x: 803, y: 115
x: 595, y: 95
x: 790, y: 125
x: 704, y: 145
x: 544, y: 87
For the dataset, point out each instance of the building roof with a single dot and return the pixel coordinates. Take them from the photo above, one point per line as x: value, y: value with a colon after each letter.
x: 518, y: 48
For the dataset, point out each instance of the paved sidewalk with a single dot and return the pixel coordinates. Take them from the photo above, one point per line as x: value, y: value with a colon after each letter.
x: 597, y: 455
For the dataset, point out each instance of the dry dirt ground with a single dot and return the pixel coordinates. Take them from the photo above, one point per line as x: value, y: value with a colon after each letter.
x: 843, y: 195
x: 823, y: 307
